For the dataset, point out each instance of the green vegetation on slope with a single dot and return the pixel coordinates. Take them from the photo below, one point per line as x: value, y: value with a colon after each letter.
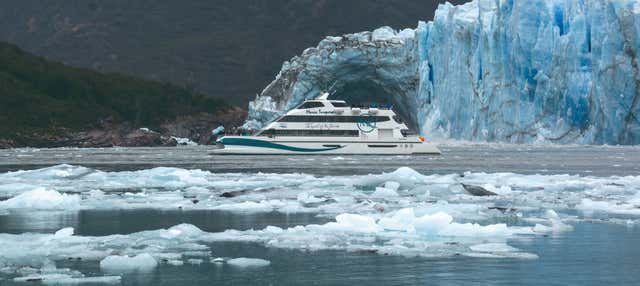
x: 37, y: 95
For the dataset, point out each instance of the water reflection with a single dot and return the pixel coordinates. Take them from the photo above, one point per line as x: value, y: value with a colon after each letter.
x: 106, y: 222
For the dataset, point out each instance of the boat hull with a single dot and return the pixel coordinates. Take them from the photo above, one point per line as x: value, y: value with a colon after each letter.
x: 251, y: 145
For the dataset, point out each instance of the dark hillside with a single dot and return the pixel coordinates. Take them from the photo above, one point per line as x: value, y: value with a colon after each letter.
x: 43, y: 97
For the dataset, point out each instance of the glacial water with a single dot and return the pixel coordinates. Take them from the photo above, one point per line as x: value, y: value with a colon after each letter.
x: 562, y: 216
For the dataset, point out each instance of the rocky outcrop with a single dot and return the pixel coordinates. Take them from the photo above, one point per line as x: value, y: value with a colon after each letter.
x: 197, y: 128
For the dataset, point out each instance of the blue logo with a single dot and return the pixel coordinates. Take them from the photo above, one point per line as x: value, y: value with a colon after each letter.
x: 366, y: 123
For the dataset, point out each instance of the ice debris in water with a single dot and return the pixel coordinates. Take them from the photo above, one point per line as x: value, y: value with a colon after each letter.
x: 175, y: 188
x: 123, y: 264
x: 401, y: 233
x: 139, y: 251
x: 248, y: 262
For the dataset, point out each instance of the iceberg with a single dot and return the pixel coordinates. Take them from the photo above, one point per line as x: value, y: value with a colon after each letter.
x: 519, y: 71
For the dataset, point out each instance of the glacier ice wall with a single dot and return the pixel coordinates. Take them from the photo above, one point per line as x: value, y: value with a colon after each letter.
x: 520, y: 71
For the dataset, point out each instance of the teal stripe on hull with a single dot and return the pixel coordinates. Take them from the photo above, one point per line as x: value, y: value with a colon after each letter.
x: 271, y: 145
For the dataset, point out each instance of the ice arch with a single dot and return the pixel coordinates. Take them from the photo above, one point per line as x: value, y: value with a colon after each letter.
x: 381, y: 65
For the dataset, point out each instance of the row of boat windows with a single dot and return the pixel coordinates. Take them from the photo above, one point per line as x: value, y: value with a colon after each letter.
x: 320, y: 118
x: 310, y: 133
x: 316, y: 104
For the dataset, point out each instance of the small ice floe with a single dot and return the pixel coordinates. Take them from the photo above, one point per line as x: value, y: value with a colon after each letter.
x: 244, y: 262
x: 498, y: 250
x: 217, y: 260
x: 175, y: 262
x: 41, y: 198
x: 65, y: 279
x: 555, y: 224
x: 388, y: 190
x: 195, y: 261
x: 125, y: 264
x: 589, y: 207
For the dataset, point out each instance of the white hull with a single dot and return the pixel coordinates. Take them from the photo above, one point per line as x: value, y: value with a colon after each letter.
x: 252, y: 145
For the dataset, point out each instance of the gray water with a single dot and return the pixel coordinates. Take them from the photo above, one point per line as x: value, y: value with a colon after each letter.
x: 523, y: 159
x: 593, y: 253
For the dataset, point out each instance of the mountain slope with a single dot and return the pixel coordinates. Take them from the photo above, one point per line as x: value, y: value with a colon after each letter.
x: 42, y: 97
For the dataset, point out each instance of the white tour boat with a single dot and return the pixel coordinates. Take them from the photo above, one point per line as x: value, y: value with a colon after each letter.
x: 323, y: 126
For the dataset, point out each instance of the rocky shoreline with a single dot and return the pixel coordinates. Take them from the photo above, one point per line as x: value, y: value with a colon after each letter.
x: 196, y: 128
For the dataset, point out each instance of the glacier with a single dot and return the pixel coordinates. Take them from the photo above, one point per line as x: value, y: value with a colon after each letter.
x: 518, y: 71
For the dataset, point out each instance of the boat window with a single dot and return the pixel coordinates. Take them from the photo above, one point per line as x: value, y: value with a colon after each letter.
x: 310, y: 133
x: 339, y: 104
x: 398, y: 119
x: 328, y: 118
x: 268, y: 132
x: 407, y: 132
x: 311, y: 104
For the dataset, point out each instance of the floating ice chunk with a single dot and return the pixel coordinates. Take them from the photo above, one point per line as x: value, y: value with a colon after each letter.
x: 392, y: 185
x: 384, y: 193
x: 248, y: 262
x: 65, y: 232
x: 306, y: 198
x: 65, y: 279
x: 41, y: 198
x: 353, y: 223
x: 589, y: 207
x: 432, y: 225
x: 124, y: 264
x: 402, y: 220
x: 493, y: 247
x: 175, y: 262
x: 556, y: 224
x: 185, y: 230
x: 217, y: 260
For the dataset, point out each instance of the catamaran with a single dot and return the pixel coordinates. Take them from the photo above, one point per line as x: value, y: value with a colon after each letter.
x: 323, y: 126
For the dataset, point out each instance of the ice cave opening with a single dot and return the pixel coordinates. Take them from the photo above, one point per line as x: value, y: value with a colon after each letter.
x: 370, y: 93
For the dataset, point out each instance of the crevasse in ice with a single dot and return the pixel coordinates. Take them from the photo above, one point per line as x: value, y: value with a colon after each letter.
x: 522, y: 71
